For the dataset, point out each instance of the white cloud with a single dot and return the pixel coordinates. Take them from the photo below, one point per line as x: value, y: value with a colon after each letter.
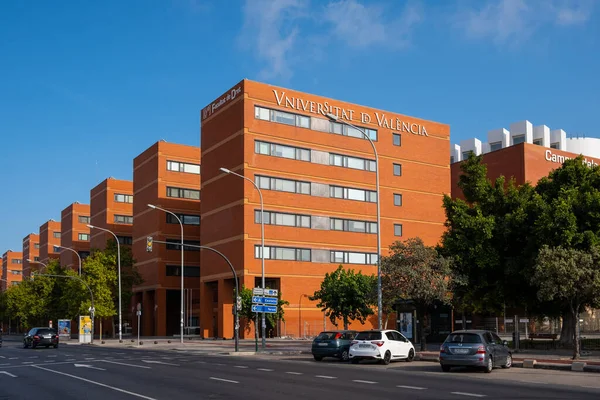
x: 515, y: 21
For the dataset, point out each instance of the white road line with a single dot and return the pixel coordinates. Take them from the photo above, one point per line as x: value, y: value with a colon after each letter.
x: 48, y: 361
x: 200, y: 362
x: 96, y: 383
x: 27, y: 362
x: 70, y: 359
x: 90, y: 358
x: 34, y: 357
x: 326, y: 377
x: 127, y: 365
x: 2, y: 357
x: 14, y: 358
x: 264, y: 369
x: 240, y: 366
x: 55, y: 356
x: 219, y: 365
x: 468, y: 394
x: 120, y: 353
x: 223, y: 380
x: 8, y: 373
x: 2, y: 365
x: 410, y: 387
x: 360, y: 381
x: 294, y: 373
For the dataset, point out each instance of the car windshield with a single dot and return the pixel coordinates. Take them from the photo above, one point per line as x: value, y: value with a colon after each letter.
x: 464, y: 338
x: 46, y: 331
x: 328, y: 335
x: 368, y: 336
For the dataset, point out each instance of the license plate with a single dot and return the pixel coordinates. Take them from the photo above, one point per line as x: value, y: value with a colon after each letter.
x: 461, y: 351
x: 364, y: 346
x: 323, y: 344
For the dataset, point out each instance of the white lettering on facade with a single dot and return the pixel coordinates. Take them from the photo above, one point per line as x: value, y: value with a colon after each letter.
x: 560, y: 159
x: 347, y: 114
x: 226, y: 98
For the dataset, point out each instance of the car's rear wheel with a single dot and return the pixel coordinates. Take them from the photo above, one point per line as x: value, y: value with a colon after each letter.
x: 25, y: 345
x: 318, y: 358
x: 411, y: 355
x: 387, y: 357
x: 345, y: 356
x: 489, y: 366
x: 508, y: 362
x: 446, y: 368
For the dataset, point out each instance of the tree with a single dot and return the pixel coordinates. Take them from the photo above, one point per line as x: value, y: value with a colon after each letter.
x: 417, y: 272
x: 101, y: 278
x: 247, y: 316
x: 571, y: 277
x: 346, y: 295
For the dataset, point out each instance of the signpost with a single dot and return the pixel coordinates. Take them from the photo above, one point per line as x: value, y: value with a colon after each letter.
x: 139, y: 314
x: 264, y: 301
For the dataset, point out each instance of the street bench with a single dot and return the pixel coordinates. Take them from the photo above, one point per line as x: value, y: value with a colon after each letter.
x: 544, y: 340
x: 551, y: 336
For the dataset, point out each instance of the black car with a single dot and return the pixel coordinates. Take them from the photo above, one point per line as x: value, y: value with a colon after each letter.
x: 41, y: 337
x: 332, y: 344
x: 0, y: 337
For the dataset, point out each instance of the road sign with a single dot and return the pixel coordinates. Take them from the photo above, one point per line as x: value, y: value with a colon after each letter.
x: 239, y: 303
x: 270, y: 292
x: 265, y: 309
x: 257, y: 291
x: 266, y: 292
x: 264, y: 300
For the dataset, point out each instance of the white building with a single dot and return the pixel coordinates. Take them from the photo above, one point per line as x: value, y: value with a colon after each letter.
x: 525, y: 132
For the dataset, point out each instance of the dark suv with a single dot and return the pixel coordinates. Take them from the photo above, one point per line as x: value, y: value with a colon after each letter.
x: 41, y: 337
x: 332, y: 344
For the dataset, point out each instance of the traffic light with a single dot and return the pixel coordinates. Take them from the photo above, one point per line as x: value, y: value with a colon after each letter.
x: 149, y: 244
x: 239, y: 303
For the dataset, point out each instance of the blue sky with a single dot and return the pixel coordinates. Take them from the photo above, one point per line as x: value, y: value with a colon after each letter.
x: 87, y: 86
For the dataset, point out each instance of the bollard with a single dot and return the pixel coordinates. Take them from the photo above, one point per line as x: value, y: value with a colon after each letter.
x: 578, y: 366
x: 529, y: 363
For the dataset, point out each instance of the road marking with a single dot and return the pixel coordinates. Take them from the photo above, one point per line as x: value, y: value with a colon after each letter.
x: 1, y: 365
x: 240, y: 366
x: 8, y: 373
x: 468, y: 394
x: 88, y: 366
x: 48, y: 361
x: 361, y: 381
x: 410, y: 387
x: 14, y: 358
x: 70, y: 359
x: 27, y: 362
x: 294, y: 373
x: 120, y: 353
x: 53, y: 356
x: 96, y: 383
x: 34, y: 357
x: 2, y: 357
x: 219, y: 365
x: 223, y: 380
x: 158, y: 362
x: 264, y: 369
x: 127, y: 365
x: 326, y: 377
x: 200, y: 362
x: 91, y: 358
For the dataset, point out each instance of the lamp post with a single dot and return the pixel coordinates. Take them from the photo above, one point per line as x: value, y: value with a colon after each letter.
x: 36, y: 262
x: 262, y: 250
x: 379, y: 299
x: 182, y: 267
x: 119, y: 272
x: 74, y: 251
x: 300, y: 315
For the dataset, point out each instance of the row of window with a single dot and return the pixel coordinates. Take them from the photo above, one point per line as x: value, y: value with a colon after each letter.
x: 301, y: 254
x: 183, y: 167
x: 317, y: 124
x: 182, y: 193
x: 339, y: 192
x: 84, y: 237
x: 123, y: 198
x: 123, y: 219
x: 83, y: 219
x: 175, y: 270
x: 16, y: 261
x: 282, y: 185
x: 186, y: 219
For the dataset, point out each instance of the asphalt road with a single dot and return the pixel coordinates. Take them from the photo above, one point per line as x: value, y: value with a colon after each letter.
x: 87, y: 372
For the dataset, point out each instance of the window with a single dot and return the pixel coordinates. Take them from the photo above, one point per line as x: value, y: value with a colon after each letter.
x: 349, y: 257
x: 397, y: 139
x: 123, y: 198
x: 84, y: 237
x: 56, y: 234
x: 539, y: 142
x: 495, y: 146
x: 36, y: 258
x: 348, y: 225
x: 175, y: 244
x: 123, y: 219
x: 351, y: 162
x: 397, y: 199
x: 284, y: 219
x: 466, y: 154
x: 186, y: 219
x: 84, y: 254
x: 83, y: 219
x: 183, y: 167
x: 555, y: 145
x: 451, y: 159
x: 282, y: 185
x: 16, y: 261
x: 281, y: 117
x: 128, y: 240
x: 182, y: 193
x: 283, y: 253
x: 36, y: 245
x: 338, y: 128
x: 518, y: 139
x: 175, y: 270
x: 352, y: 194
x: 397, y: 229
x: 398, y: 169
x: 279, y: 150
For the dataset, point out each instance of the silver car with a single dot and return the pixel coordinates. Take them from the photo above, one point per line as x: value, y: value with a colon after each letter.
x: 474, y: 348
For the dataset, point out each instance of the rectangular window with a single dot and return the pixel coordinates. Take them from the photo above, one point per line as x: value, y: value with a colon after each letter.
x: 466, y: 154
x: 175, y: 244
x: 451, y: 159
x: 398, y: 169
x: 123, y: 219
x: 36, y: 245
x: 282, y: 185
x: 283, y: 253
x: 352, y: 194
x: 538, y: 141
x: 186, y: 219
x: 397, y: 139
x: 284, y: 219
x: 351, y: 162
x: 175, y: 270
x: 555, y: 145
x: 128, y: 240
x: 16, y: 261
x: 84, y: 237
x: 36, y: 258
x: 495, y: 146
x: 397, y: 229
x: 183, y: 167
x: 182, y: 193
x: 348, y: 225
x: 84, y: 219
x: 56, y: 234
x: 397, y: 199
x: 279, y: 150
x: 15, y: 272
x: 349, y: 257
x: 123, y: 198
x: 518, y: 139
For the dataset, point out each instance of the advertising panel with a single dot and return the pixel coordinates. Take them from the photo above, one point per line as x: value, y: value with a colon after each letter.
x: 64, y: 328
x: 406, y: 325
x: 85, y: 329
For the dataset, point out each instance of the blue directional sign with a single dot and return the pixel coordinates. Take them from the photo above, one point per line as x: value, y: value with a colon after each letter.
x: 265, y: 309
x: 264, y: 300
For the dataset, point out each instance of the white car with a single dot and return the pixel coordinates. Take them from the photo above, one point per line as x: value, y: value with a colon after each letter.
x: 383, y: 345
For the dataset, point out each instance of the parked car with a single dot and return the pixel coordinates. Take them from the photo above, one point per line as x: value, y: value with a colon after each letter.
x: 474, y: 348
x: 383, y: 345
x: 0, y: 337
x: 332, y: 344
x: 41, y: 337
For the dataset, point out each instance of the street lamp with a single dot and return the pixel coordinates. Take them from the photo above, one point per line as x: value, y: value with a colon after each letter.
x: 262, y: 250
x: 119, y: 272
x: 182, y: 267
x: 36, y: 262
x: 74, y: 251
x: 379, y: 300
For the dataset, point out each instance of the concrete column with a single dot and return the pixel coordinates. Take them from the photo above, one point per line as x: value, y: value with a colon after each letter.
x: 159, y: 308
x: 206, y: 311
